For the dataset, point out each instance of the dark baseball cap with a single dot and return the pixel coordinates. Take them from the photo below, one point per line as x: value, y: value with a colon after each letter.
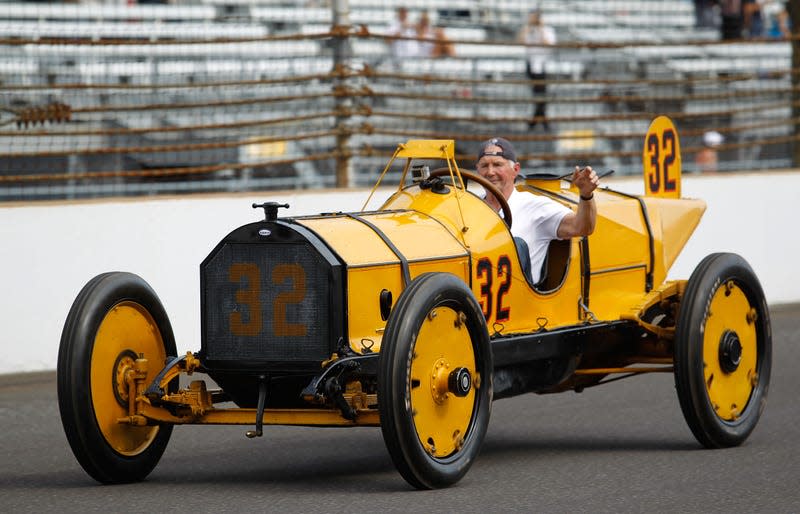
x: 507, y: 149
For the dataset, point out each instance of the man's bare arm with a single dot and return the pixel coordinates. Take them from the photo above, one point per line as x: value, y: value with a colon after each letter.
x: 582, y: 221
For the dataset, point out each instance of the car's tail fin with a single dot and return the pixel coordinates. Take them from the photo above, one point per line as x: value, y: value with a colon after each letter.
x: 661, y: 159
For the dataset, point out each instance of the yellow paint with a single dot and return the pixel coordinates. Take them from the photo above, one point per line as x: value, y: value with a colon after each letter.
x: 661, y: 159
x: 487, y: 237
x: 441, y: 419
x: 372, y: 265
x: 363, y: 296
x: 550, y: 183
x: 416, y: 236
x: 458, y: 233
x: 729, y: 392
x: 619, y: 255
x: 619, y: 247
x: 126, y: 327
x: 427, y: 149
x: 458, y: 227
x: 235, y: 416
x: 363, y: 308
x: 342, y: 233
x: 674, y: 221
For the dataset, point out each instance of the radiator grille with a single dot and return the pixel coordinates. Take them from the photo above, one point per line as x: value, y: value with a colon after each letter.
x: 266, y: 303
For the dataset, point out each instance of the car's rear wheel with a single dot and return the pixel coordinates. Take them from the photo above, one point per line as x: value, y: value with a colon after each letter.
x: 435, y: 386
x: 115, y: 319
x: 723, y: 351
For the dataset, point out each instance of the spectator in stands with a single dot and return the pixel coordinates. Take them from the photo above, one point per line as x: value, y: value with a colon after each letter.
x: 753, y: 18
x: 439, y: 46
x: 707, y: 160
x: 402, y: 27
x: 423, y: 30
x: 538, y: 37
x: 704, y: 13
x: 731, y: 11
x: 431, y: 42
x: 536, y: 219
x: 777, y: 16
x: 443, y: 47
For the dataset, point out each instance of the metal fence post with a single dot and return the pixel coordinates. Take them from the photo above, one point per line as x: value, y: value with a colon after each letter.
x: 342, y: 53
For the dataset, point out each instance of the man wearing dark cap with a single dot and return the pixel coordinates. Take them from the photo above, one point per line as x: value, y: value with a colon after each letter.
x: 536, y: 219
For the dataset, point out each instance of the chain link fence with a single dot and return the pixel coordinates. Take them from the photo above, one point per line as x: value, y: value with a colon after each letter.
x: 99, y: 100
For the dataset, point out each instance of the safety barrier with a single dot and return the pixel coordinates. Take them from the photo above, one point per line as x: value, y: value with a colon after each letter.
x: 50, y: 250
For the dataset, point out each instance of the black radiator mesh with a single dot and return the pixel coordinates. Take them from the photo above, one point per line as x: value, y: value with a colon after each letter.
x: 266, y: 302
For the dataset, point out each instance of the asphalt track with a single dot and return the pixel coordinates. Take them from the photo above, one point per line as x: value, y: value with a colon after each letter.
x: 623, y: 447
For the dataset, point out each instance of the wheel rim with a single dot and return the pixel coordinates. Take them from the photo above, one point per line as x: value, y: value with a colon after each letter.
x: 730, y: 351
x: 127, y: 330
x: 442, y: 364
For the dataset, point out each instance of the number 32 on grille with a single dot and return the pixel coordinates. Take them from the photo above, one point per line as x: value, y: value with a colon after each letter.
x: 248, y: 275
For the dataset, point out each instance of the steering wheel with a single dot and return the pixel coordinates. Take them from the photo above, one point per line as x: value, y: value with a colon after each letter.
x: 488, y: 186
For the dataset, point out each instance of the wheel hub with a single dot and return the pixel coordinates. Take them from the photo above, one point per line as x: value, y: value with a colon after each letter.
x: 439, y: 381
x: 459, y: 382
x: 125, y: 361
x: 730, y: 351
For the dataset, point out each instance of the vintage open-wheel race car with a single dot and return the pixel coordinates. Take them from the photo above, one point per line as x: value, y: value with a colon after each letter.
x: 415, y: 317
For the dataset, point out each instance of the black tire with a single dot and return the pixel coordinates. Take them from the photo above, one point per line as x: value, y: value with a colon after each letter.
x: 114, y: 314
x: 434, y: 431
x: 723, y: 351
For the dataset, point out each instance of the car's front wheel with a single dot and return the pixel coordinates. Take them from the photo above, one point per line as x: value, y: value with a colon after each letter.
x: 115, y: 319
x: 435, y: 386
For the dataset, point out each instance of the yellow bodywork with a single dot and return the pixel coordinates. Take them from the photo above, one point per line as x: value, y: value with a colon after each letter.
x: 372, y: 266
x: 457, y: 232
x: 617, y: 273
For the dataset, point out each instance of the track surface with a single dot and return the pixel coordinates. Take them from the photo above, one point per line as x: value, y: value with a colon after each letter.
x: 620, y: 447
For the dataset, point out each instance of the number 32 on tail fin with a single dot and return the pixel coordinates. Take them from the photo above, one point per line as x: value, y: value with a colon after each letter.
x: 661, y: 159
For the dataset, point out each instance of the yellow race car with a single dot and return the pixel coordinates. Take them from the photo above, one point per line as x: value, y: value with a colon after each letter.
x: 415, y: 317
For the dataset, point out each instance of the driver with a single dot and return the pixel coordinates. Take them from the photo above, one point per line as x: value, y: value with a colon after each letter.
x: 536, y: 219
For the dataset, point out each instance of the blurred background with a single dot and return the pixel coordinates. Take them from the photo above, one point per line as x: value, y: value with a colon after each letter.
x: 123, y: 99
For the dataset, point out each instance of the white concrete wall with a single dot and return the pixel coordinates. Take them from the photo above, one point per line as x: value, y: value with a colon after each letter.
x: 50, y: 250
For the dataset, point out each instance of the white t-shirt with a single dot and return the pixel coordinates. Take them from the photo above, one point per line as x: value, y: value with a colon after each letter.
x: 403, y: 48
x: 535, y: 219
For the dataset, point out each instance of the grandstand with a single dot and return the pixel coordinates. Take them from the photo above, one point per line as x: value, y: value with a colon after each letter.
x: 232, y: 95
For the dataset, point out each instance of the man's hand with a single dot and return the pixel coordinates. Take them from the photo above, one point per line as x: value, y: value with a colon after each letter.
x: 585, y: 179
x: 581, y: 222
